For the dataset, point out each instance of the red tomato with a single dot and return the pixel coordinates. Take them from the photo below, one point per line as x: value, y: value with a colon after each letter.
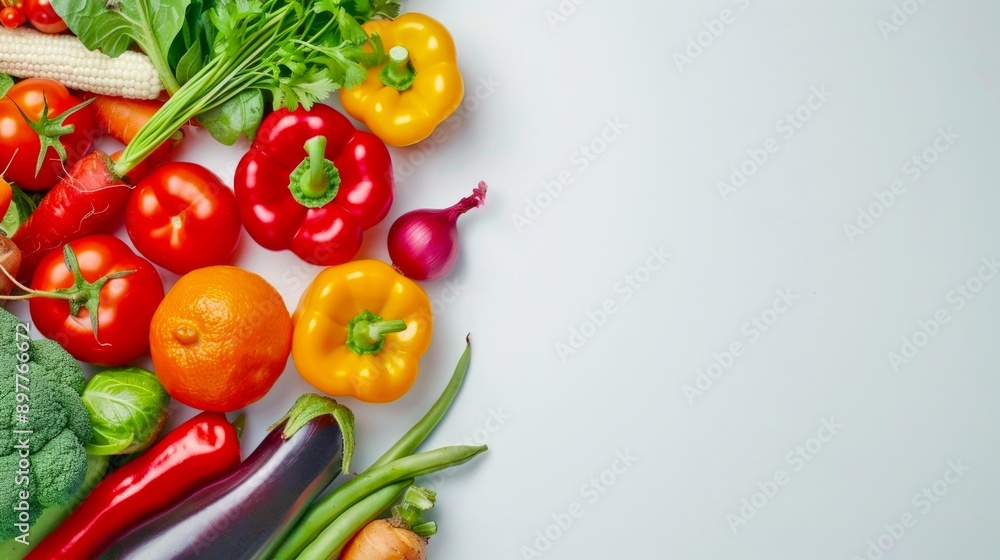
x: 20, y: 144
x: 43, y: 16
x: 125, y: 305
x: 11, y: 17
x: 182, y: 217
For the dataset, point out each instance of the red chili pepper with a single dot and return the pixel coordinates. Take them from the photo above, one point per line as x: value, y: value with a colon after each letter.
x: 195, y: 453
x: 312, y: 183
x: 89, y: 199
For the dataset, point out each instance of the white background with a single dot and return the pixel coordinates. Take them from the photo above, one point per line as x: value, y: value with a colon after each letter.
x: 521, y: 289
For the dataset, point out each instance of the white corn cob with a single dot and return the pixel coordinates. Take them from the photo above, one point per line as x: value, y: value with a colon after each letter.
x: 26, y: 53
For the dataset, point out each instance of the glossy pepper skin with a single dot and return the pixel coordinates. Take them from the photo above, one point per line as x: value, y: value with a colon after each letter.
x: 195, y: 453
x: 312, y: 183
x: 360, y: 329
x: 405, y: 98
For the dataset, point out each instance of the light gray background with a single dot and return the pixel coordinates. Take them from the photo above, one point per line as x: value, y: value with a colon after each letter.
x: 540, y: 88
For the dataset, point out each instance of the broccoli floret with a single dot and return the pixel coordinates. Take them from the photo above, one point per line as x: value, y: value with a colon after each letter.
x: 57, y: 419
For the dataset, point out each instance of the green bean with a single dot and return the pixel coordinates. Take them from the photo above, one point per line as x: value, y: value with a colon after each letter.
x: 332, y: 540
x: 328, y: 508
x: 419, y: 432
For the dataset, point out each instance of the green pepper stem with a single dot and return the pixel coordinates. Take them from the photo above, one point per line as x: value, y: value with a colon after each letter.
x: 382, y: 328
x: 315, y: 181
x: 398, y: 73
x: 366, y: 332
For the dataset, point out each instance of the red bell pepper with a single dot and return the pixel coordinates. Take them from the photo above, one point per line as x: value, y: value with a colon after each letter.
x: 312, y: 183
x: 195, y: 453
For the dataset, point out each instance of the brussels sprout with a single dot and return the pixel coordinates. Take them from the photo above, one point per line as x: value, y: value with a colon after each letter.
x: 128, y: 408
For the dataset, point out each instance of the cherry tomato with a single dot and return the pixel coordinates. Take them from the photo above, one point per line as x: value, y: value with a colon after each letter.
x: 20, y: 144
x: 124, y: 305
x: 182, y: 217
x: 11, y: 17
x: 43, y: 16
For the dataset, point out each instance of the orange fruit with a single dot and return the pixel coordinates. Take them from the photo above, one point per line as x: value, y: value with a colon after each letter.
x: 220, y: 338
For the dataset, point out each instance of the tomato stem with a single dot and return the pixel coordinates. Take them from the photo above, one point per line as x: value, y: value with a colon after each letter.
x: 51, y: 130
x: 81, y: 295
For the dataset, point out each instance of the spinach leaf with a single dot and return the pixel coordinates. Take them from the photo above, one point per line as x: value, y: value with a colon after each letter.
x: 192, y: 47
x: 240, y: 115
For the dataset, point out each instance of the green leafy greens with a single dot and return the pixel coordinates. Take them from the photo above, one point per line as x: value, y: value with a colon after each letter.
x: 221, y: 60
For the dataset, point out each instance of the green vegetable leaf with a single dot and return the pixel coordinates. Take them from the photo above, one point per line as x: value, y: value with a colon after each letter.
x: 329, y: 6
x: 97, y: 26
x: 127, y: 407
x: 21, y: 207
x: 190, y: 63
x: 310, y: 406
x: 240, y: 115
x: 112, y: 26
x: 192, y: 47
x: 378, y: 55
x: 111, y: 442
x: 372, y: 9
x: 350, y: 29
x: 6, y: 82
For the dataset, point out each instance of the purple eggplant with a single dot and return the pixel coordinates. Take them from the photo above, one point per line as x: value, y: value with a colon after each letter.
x: 245, y: 514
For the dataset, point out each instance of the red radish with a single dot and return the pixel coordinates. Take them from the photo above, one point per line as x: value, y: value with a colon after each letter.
x: 89, y: 199
x: 423, y: 244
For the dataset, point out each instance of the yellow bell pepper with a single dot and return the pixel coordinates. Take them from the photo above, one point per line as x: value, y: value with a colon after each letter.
x: 416, y: 88
x: 359, y: 331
